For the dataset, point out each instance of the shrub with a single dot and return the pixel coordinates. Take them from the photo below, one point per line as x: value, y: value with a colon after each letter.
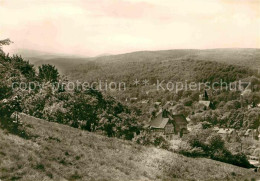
x: 161, y: 143
x: 216, y: 142
x: 144, y: 138
x: 240, y: 159
x: 203, y: 144
x: 13, y: 127
x: 189, y: 151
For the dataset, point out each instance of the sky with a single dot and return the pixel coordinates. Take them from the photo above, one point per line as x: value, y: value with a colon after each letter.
x: 94, y: 27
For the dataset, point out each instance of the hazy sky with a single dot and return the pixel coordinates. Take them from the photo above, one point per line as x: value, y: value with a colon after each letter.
x: 93, y: 27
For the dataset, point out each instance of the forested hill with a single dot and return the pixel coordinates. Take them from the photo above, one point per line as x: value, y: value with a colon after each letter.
x: 191, y: 65
x: 242, y: 57
x: 158, y: 66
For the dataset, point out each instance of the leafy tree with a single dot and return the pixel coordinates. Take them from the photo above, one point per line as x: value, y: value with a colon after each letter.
x: 203, y: 143
x: 25, y: 67
x: 216, y: 142
x: 48, y: 72
x: 5, y: 91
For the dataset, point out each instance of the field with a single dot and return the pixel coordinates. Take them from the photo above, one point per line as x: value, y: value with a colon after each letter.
x: 59, y: 152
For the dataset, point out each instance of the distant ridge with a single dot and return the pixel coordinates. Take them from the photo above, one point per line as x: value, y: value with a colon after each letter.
x: 247, y: 57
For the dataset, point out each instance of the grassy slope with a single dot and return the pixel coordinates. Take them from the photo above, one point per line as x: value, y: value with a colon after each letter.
x: 61, y: 152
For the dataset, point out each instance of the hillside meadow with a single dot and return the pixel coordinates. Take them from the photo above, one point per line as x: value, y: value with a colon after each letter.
x: 60, y: 152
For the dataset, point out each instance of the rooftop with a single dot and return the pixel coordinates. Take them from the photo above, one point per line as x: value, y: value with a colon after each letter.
x: 205, y: 103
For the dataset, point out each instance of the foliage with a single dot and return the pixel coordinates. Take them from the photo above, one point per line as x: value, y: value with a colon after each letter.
x: 4, y: 42
x: 145, y: 138
x: 89, y: 110
x: 48, y: 73
x: 203, y: 143
x: 5, y: 91
x: 24, y: 66
x: 8, y: 122
x: 13, y: 127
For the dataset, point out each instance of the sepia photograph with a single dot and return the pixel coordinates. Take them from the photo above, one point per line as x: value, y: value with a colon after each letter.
x: 129, y: 90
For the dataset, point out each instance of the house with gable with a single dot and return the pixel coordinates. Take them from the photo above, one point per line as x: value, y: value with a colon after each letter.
x: 207, y: 104
x: 167, y: 125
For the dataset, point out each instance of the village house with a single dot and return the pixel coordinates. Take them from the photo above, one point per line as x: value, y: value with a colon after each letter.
x: 133, y: 99
x: 207, y: 104
x: 165, y: 124
x: 144, y: 101
x: 252, y: 133
x: 254, y: 160
x: 188, y: 119
x: 228, y: 133
x: 157, y: 103
x: 247, y: 91
x: 215, y: 129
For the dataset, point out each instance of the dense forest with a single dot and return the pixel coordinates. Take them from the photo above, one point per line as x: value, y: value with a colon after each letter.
x: 158, y: 64
x: 228, y: 110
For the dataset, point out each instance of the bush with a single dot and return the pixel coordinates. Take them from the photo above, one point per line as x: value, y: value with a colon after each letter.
x: 161, y: 143
x: 13, y: 127
x: 216, y: 142
x: 203, y: 144
x: 240, y: 159
x: 189, y: 151
x: 144, y: 138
